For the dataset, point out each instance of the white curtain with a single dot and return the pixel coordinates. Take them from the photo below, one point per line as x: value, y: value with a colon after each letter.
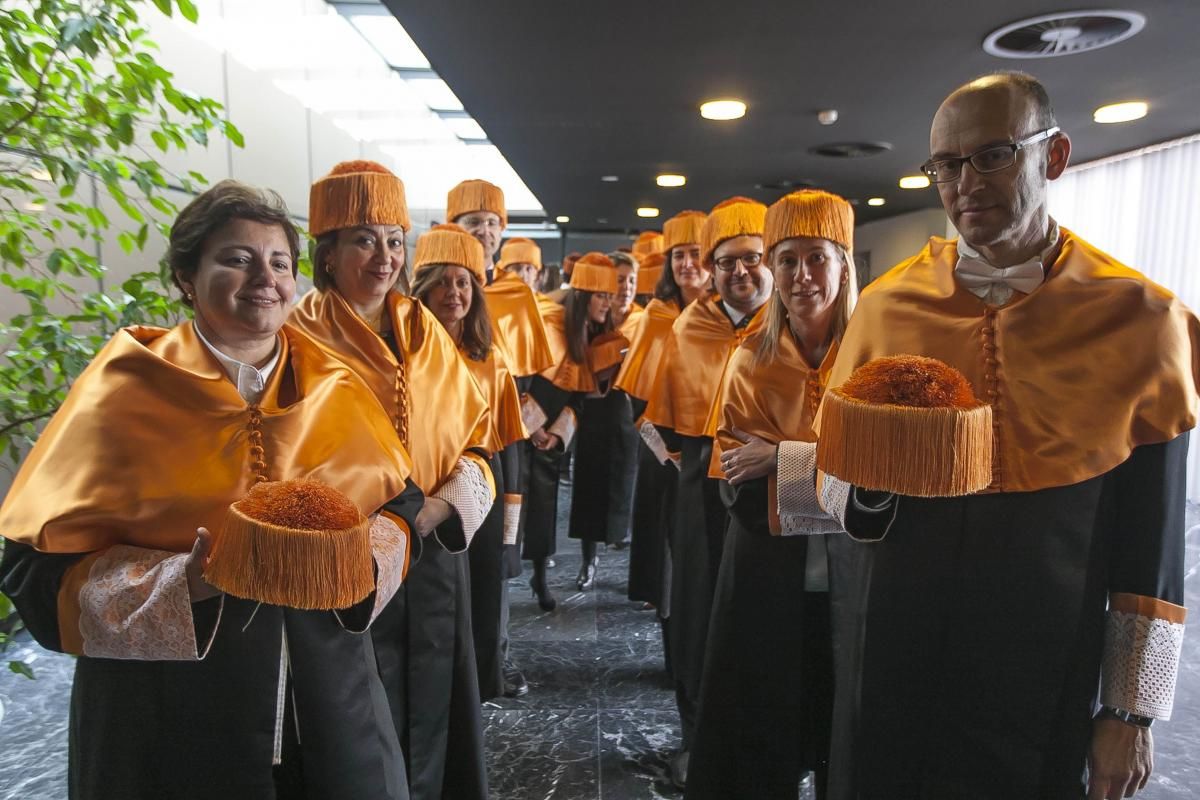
x: 1143, y: 208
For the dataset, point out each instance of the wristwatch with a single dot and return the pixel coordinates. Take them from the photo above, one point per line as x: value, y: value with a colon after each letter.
x: 1126, y: 716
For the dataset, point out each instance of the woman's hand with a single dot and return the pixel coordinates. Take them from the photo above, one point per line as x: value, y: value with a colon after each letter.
x: 543, y: 440
x: 756, y: 458
x: 198, y: 588
x: 433, y: 513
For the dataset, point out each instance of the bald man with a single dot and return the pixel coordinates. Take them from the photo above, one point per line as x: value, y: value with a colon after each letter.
x: 1019, y: 642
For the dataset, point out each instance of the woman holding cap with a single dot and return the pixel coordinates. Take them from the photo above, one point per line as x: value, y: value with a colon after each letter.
x: 178, y: 688
x: 766, y: 695
x: 575, y: 396
x: 423, y: 640
x: 448, y: 280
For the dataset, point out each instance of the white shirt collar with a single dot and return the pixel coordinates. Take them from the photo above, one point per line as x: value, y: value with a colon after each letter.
x: 734, y: 314
x: 250, y: 381
x: 999, y: 294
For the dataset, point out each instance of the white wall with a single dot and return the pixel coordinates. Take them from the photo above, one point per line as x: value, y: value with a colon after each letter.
x: 892, y: 240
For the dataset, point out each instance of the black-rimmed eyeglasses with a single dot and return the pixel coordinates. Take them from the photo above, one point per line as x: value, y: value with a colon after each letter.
x: 992, y: 158
x: 729, y: 263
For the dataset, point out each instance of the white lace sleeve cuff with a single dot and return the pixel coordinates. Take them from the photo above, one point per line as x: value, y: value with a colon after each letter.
x: 531, y: 413
x: 565, y: 426
x: 470, y: 494
x: 135, y: 605
x: 512, y: 517
x: 656, y: 444
x: 389, y: 546
x: 1143, y: 639
x: 799, y: 510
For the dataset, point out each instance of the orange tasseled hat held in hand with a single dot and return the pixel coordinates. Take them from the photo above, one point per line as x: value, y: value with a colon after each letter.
x: 449, y: 244
x: 356, y: 193
x: 476, y: 195
x: 299, y: 543
x: 909, y: 425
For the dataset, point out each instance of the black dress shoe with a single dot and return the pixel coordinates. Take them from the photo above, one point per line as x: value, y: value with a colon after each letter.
x: 587, y: 574
x: 537, y: 583
x: 515, y: 684
x: 679, y: 770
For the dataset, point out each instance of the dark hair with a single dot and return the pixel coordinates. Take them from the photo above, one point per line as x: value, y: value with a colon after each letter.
x: 226, y: 201
x: 323, y: 246
x: 579, y: 327
x: 667, y: 289
x: 551, y: 278
x: 477, y: 325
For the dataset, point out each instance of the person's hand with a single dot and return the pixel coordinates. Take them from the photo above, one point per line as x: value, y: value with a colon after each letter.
x: 543, y: 440
x: 198, y: 588
x: 433, y: 513
x: 756, y: 458
x: 1120, y: 760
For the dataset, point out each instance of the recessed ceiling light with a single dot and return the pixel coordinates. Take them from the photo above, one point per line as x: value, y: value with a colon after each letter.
x: 602, y: 220
x: 723, y: 109
x: 914, y: 182
x: 609, y: 178
x: 647, y: 211
x: 1120, y: 112
x: 562, y: 219
x: 670, y: 181
x: 876, y: 201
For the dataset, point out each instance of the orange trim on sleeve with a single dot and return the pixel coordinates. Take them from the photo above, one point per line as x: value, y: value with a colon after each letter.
x: 773, y: 523
x: 1150, y: 607
x: 69, y: 635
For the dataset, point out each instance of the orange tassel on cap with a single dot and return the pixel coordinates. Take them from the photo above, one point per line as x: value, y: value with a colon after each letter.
x: 683, y: 228
x: 300, y: 544
x: 449, y: 244
x: 737, y: 216
x: 649, y: 271
x: 908, y: 425
x: 594, y: 272
x: 811, y: 213
x: 476, y: 195
x: 356, y: 193
x: 519, y: 250
x: 648, y: 242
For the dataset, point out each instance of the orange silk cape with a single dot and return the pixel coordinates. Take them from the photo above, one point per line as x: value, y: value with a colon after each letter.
x: 498, y: 387
x: 631, y: 321
x: 433, y: 397
x: 604, y: 353
x: 153, y: 441
x: 693, y: 367
x: 554, y: 319
x: 1093, y: 363
x: 517, y: 325
x: 776, y: 401
x: 647, y: 341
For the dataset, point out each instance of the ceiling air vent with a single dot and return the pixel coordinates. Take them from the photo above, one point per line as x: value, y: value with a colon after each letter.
x: 851, y: 149
x: 1063, y: 34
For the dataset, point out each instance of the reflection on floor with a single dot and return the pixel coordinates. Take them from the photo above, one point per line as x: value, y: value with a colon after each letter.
x: 599, y: 720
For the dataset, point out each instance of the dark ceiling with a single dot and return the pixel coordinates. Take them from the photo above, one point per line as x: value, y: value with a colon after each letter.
x: 570, y: 90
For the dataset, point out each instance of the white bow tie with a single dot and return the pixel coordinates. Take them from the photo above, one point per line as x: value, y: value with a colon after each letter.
x: 980, y: 277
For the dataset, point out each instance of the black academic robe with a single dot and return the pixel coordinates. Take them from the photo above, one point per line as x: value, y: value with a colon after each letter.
x: 988, y: 613
x: 606, y: 448
x: 540, y: 509
x: 697, y: 539
x: 653, y: 511
x: 488, y: 574
x: 184, y: 730
x: 767, y: 695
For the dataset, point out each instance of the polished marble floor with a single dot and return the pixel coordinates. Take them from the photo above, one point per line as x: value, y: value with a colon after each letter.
x: 598, y: 722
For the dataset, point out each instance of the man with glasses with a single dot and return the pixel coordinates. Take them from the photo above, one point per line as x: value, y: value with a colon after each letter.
x: 703, y: 340
x: 1017, y: 642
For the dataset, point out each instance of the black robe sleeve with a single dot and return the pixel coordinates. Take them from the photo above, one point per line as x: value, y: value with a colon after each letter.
x: 31, y: 580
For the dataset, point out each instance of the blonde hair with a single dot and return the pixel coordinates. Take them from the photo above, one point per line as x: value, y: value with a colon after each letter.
x: 776, y: 321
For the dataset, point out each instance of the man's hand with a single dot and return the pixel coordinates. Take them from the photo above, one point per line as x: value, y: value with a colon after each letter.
x: 198, y: 588
x: 543, y: 440
x: 433, y: 513
x: 1121, y: 759
x: 756, y: 458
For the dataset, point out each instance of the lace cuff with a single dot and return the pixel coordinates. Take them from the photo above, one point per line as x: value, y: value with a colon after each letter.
x: 658, y: 447
x: 1143, y: 639
x: 565, y: 426
x: 512, y: 517
x: 389, y: 546
x: 531, y: 413
x: 799, y: 510
x: 135, y: 605
x: 470, y: 494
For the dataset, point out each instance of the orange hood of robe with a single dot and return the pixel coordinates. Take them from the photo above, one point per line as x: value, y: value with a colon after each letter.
x: 693, y: 367
x: 776, y: 401
x: 517, y: 325
x: 647, y: 341
x: 154, y: 441
x: 497, y: 385
x: 1093, y: 363
x: 432, y: 396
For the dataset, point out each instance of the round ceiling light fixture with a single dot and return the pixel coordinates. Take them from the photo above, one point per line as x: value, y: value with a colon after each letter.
x: 723, y: 109
x: 671, y: 181
x: 876, y: 201
x: 1063, y: 34
x: 562, y: 219
x: 647, y: 211
x: 1120, y: 112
